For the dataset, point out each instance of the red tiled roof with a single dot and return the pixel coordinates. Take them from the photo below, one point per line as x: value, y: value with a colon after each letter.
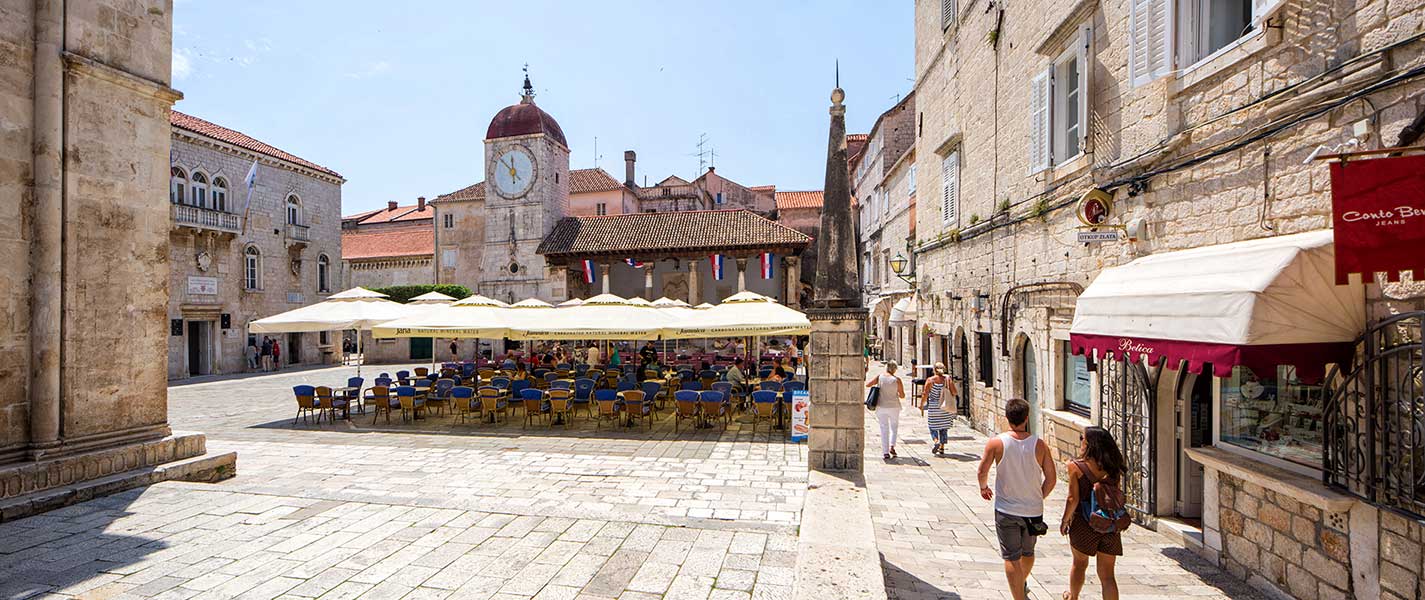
x: 409, y: 212
x: 239, y: 139
x: 475, y: 191
x: 414, y: 241
x: 807, y: 199
x: 763, y: 188
x: 584, y: 181
x: 670, y: 232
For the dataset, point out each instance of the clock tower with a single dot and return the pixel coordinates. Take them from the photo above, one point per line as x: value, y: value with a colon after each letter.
x: 526, y: 193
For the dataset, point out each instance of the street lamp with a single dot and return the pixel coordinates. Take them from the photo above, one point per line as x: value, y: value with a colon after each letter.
x: 898, y: 266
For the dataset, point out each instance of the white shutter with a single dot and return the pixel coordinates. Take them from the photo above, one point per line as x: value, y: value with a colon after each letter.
x: 1039, y: 96
x: 1261, y: 9
x: 1085, y: 38
x: 950, y: 189
x: 947, y: 14
x: 1150, y: 36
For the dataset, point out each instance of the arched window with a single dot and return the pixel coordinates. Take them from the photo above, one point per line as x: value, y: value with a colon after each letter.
x: 294, y: 210
x: 323, y: 270
x: 178, y: 186
x: 252, y: 268
x: 220, y: 194
x: 200, y: 190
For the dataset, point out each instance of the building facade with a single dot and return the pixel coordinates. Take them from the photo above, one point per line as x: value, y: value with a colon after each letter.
x: 883, y: 182
x: 237, y: 257
x: 1161, y: 128
x: 391, y: 246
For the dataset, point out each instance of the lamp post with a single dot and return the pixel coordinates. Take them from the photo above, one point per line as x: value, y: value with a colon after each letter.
x: 899, y: 265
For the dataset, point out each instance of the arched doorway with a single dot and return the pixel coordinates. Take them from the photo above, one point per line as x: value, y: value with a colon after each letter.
x: 1029, y: 381
x: 960, y: 372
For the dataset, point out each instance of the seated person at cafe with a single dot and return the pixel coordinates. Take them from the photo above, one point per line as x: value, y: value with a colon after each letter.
x: 778, y: 375
x: 735, y: 376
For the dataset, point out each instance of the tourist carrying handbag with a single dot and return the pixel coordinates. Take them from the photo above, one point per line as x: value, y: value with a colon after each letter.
x: 888, y: 390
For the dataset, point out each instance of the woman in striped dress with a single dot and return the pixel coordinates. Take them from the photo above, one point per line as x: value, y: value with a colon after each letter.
x: 932, y: 403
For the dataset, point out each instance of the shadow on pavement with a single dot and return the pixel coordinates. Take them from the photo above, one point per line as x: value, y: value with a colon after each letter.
x: 902, y: 585
x: 64, y: 551
x: 1210, y: 575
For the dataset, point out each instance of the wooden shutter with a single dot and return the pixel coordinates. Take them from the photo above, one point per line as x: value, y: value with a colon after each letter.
x: 1039, y: 97
x: 1150, y: 40
x: 947, y: 14
x: 1261, y: 9
x: 950, y: 189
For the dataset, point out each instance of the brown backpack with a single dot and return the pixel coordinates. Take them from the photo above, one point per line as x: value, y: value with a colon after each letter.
x: 1108, y: 505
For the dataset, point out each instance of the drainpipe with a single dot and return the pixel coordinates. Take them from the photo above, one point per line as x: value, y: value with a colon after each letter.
x: 46, y: 263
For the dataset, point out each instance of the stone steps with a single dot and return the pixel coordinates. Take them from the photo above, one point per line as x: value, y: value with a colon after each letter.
x: 207, y: 468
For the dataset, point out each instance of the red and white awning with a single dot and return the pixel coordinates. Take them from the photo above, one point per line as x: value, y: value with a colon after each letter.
x: 1257, y: 303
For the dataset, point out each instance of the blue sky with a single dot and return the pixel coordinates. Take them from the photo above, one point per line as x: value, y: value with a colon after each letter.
x: 396, y: 96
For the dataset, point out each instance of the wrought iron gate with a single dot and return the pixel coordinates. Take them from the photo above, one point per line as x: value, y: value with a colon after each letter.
x: 1374, y: 431
x: 1128, y: 401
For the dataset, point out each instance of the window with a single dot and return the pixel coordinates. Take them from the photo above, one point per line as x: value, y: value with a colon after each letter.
x: 718, y: 198
x: 178, y: 186
x: 448, y: 220
x: 447, y: 258
x: 985, y: 347
x: 323, y: 271
x: 1276, y: 415
x: 1058, y: 108
x: 252, y: 269
x: 950, y: 189
x: 1200, y: 28
x: 601, y: 208
x: 220, y: 194
x: 322, y: 338
x: 200, y: 190
x: 1075, y: 395
x: 947, y: 14
x: 294, y: 210
x: 910, y: 182
x: 885, y: 202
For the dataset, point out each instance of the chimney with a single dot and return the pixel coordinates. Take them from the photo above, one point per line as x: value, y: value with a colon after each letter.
x: 421, y: 203
x: 712, y: 169
x: 391, y: 205
x: 628, y: 159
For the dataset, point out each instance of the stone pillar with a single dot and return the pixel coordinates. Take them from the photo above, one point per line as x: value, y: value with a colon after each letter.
x: 792, y: 272
x: 648, y: 283
x: 604, y: 273
x: 836, y: 367
x: 693, y: 282
x: 741, y: 274
x: 47, y: 229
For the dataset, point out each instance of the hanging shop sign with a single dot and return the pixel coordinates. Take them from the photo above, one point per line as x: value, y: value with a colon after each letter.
x: 1378, y: 210
x: 801, y: 405
x: 1094, y: 207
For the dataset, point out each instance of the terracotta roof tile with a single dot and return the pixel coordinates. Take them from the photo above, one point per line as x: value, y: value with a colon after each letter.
x: 415, y: 241
x: 669, y: 232
x: 763, y: 188
x: 584, y: 181
x: 239, y: 139
x: 807, y: 199
x: 409, y: 212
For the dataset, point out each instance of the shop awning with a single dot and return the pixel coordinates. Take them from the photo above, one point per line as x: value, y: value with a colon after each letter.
x: 903, y: 311
x: 1257, y: 303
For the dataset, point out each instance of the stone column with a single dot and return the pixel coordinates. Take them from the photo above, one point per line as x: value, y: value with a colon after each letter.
x: 836, y: 368
x: 648, y: 283
x: 604, y: 273
x: 741, y: 274
x: 792, y: 271
x: 47, y: 229
x: 693, y: 282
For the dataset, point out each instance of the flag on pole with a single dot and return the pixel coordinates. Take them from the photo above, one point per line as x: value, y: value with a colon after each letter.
x: 637, y: 264
x: 251, y: 182
x: 767, y: 260
x: 589, y: 275
x: 716, y: 261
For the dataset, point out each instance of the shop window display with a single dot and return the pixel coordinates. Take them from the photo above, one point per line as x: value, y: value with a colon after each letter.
x: 1275, y: 415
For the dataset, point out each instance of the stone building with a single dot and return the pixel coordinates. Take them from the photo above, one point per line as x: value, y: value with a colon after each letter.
x: 390, y: 246
x: 237, y: 257
x: 83, y: 161
x: 883, y: 180
x: 1157, y: 128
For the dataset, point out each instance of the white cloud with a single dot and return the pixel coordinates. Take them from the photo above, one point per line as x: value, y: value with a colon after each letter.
x: 371, y: 70
x: 182, y: 65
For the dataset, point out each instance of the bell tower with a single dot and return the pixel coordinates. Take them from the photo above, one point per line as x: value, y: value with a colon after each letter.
x: 526, y: 193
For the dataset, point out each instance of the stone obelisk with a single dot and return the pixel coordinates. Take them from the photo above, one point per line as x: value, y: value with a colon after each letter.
x: 837, y: 319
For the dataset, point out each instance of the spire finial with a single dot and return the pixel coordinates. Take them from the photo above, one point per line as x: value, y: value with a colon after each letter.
x: 528, y: 88
x: 838, y: 73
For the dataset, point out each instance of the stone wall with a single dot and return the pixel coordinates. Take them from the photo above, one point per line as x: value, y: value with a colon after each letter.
x: 1402, y: 554
x: 382, y: 272
x: 1296, y: 547
x: 465, y: 237
x: 16, y: 201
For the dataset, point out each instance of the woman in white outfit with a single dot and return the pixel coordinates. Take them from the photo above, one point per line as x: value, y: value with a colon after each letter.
x: 888, y: 407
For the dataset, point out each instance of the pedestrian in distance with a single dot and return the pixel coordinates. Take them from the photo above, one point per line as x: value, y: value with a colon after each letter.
x: 276, y: 355
x: 888, y: 407
x: 266, y: 353
x: 454, y: 350
x: 1024, y: 476
x: 251, y: 354
x: 1099, y: 461
x: 937, y: 419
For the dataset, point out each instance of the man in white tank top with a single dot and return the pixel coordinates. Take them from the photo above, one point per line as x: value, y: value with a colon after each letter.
x: 1024, y: 476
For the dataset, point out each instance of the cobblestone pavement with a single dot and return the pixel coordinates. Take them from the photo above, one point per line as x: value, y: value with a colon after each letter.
x: 937, y: 539
x: 433, y: 509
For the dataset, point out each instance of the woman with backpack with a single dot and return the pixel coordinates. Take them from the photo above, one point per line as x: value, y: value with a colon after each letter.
x: 1094, y: 516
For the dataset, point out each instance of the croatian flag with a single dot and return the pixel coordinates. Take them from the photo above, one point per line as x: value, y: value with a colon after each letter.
x: 588, y: 271
x: 716, y: 261
x: 767, y: 260
x: 637, y: 264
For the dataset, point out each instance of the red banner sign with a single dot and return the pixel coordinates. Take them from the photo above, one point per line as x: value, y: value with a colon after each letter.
x: 1378, y: 208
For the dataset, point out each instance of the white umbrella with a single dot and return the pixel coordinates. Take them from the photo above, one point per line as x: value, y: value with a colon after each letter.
x: 604, y: 317
x: 572, y: 302
x: 473, y: 317
x: 357, y: 308
x: 431, y: 298
x: 743, y: 314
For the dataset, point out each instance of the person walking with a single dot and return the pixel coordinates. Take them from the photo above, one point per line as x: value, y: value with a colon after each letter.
x: 937, y: 388
x: 1024, y: 476
x: 251, y: 354
x: 1099, y: 460
x: 454, y: 351
x: 266, y: 353
x: 888, y: 407
x: 276, y: 355
x: 592, y: 356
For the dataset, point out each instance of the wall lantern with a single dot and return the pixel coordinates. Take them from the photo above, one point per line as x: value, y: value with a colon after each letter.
x: 899, y: 265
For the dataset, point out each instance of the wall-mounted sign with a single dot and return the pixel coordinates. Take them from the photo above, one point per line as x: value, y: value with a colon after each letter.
x: 1378, y: 212
x: 1094, y: 207
x: 202, y: 285
x: 801, y: 404
x: 1094, y: 237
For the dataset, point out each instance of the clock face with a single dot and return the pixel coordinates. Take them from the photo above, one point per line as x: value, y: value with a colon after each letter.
x: 514, y: 172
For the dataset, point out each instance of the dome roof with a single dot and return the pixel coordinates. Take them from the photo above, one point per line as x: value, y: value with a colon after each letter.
x: 524, y: 119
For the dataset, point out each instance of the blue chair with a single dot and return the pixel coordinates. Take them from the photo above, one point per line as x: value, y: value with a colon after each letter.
x: 502, y: 383
x: 493, y: 403
x: 383, y: 380
x: 463, y: 399
x: 714, y: 406
x: 306, y: 402
x: 626, y: 385
x: 518, y: 387
x: 534, y: 404
x: 467, y: 370
x: 770, y: 386
x: 550, y: 377
x: 386, y: 375
x: 403, y: 375
x: 410, y: 403
x: 764, y: 406
x: 692, y: 385
x: 509, y: 365
x: 687, y: 407
x: 354, y: 396
x: 583, y: 393
x: 561, y: 384
x: 539, y: 373
x: 725, y: 389
x: 606, y: 404
x: 686, y: 374
x: 581, y: 369
x: 439, y: 394
x: 653, y: 391
x: 764, y: 373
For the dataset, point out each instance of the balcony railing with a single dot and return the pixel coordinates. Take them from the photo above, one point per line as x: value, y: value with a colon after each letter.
x: 206, y: 218
x: 298, y: 233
